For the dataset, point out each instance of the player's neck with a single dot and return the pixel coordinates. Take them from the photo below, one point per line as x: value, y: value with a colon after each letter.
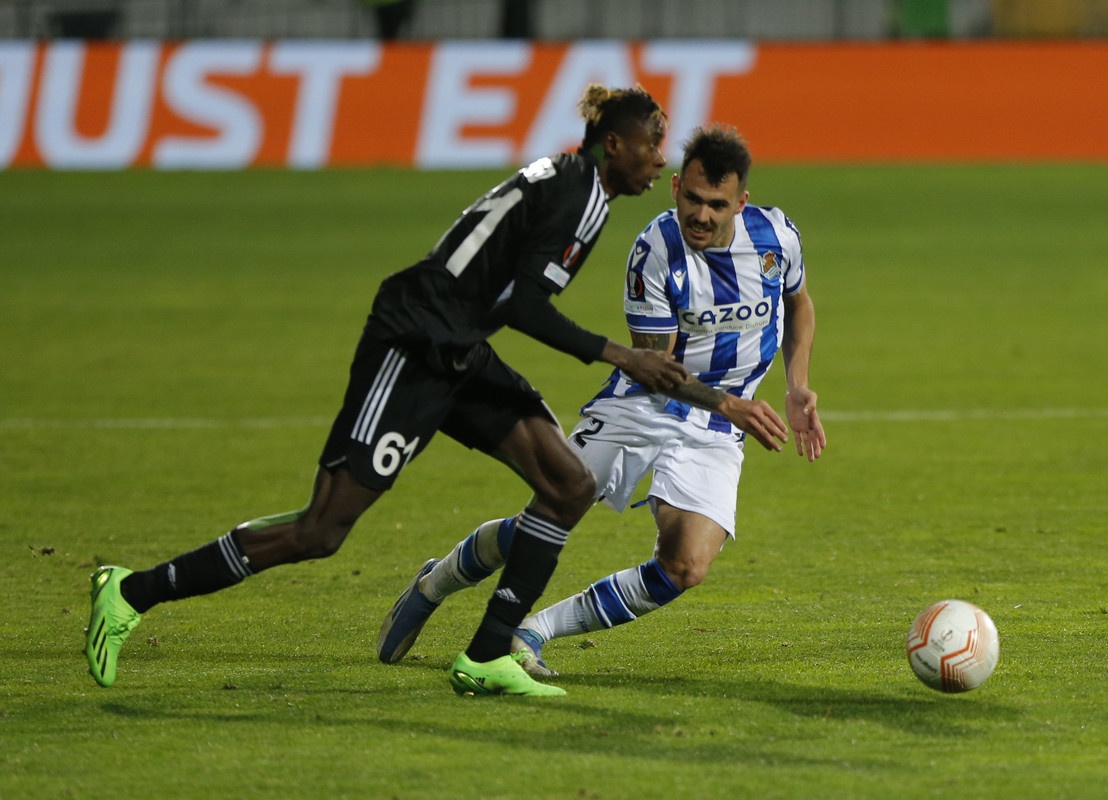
x: 597, y: 152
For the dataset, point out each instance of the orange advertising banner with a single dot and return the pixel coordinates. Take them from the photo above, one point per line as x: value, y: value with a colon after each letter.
x: 306, y: 104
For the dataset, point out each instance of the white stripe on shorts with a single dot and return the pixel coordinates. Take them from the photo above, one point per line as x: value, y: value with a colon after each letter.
x: 378, y: 395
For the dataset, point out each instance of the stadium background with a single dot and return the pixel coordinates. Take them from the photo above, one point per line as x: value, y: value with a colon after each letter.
x: 779, y: 20
x: 306, y: 84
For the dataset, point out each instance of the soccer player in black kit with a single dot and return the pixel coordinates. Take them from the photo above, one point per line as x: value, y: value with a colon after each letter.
x: 424, y: 365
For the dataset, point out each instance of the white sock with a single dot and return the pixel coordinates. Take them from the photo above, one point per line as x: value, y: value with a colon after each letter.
x: 471, y: 561
x: 621, y: 597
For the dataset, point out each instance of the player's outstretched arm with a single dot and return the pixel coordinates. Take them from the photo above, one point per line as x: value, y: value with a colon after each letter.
x: 796, y: 349
x: 755, y: 417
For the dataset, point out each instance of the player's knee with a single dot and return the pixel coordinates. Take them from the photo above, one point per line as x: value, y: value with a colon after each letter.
x: 570, y: 494
x: 577, y: 493
x: 586, y: 490
x: 685, y: 574
x: 329, y: 543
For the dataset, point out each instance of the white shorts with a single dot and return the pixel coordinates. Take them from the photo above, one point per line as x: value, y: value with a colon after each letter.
x: 694, y: 469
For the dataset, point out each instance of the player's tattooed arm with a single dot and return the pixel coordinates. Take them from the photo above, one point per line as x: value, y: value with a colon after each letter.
x: 700, y: 395
x: 692, y: 392
x: 654, y: 341
x: 755, y: 417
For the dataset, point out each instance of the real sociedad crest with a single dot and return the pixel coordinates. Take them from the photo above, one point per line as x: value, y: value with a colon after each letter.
x: 770, y: 267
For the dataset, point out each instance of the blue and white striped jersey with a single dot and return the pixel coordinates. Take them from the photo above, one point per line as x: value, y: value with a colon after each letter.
x: 723, y: 303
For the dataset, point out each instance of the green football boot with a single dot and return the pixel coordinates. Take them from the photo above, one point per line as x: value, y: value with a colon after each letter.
x: 110, y: 624
x: 500, y: 676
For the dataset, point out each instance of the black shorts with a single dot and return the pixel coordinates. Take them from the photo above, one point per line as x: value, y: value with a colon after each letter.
x: 397, y: 398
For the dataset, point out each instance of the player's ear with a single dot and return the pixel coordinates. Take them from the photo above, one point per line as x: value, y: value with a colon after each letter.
x: 743, y: 199
x: 675, y: 185
x: 612, y: 143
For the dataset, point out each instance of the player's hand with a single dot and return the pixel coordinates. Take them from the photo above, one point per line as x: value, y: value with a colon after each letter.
x: 758, y: 419
x: 655, y: 370
x: 800, y: 408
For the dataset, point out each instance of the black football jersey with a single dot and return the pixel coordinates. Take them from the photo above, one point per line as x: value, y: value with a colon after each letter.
x: 538, y: 225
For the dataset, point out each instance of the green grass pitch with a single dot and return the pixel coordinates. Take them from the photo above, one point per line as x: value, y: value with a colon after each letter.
x: 172, y: 348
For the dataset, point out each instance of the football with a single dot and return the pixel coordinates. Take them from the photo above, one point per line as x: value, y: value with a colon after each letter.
x: 953, y: 646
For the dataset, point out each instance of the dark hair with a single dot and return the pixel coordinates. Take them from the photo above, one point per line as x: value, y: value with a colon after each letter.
x: 614, y: 111
x: 721, y: 150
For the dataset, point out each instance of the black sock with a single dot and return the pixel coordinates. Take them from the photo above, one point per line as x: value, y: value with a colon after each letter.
x: 531, y: 561
x: 207, y: 569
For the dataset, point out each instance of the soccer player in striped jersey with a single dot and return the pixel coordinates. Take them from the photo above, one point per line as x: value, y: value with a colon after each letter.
x: 424, y: 365
x: 720, y: 284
